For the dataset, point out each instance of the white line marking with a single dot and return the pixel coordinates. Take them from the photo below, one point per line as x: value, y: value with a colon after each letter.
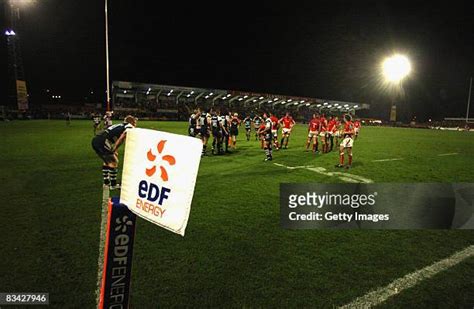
x: 448, y: 154
x: 321, y: 170
x: 380, y: 295
x: 385, y: 160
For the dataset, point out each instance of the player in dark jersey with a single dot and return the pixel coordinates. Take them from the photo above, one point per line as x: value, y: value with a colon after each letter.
x: 192, y: 124
x: 96, y: 122
x: 267, y: 137
x: 106, y: 144
x: 347, y: 142
x: 248, y: 127
x: 217, y: 133
x: 225, y: 134
x: 205, y: 123
x: 257, y: 120
x: 234, y: 129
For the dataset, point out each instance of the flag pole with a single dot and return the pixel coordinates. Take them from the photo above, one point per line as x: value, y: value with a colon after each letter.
x: 107, y: 68
x: 102, y: 240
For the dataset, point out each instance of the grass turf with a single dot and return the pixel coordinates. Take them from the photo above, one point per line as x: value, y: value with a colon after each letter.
x: 234, y: 253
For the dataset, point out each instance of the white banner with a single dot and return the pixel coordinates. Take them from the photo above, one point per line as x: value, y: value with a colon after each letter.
x: 159, y: 176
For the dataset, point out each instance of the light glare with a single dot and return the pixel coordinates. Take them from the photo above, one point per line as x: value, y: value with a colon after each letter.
x: 396, y: 68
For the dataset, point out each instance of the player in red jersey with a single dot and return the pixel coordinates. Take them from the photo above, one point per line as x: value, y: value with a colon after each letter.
x: 261, y: 136
x: 330, y: 132
x: 275, y: 126
x: 323, y: 127
x: 313, y: 131
x: 288, y: 123
x: 337, y: 132
x: 347, y: 142
x: 356, y: 128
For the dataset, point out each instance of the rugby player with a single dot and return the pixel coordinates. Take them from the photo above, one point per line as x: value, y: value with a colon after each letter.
x: 197, y: 116
x: 192, y: 124
x: 330, y: 132
x: 323, y: 126
x: 225, y: 135
x: 204, y: 124
x: 313, y: 131
x: 288, y: 124
x: 337, y: 132
x: 275, y: 126
x: 234, y: 129
x: 217, y: 132
x: 261, y: 136
x: 106, y: 144
x: 257, y: 120
x: 96, y: 122
x: 68, y: 118
x: 248, y: 127
x: 266, y: 131
x: 107, y: 119
x: 347, y: 142
x: 356, y: 128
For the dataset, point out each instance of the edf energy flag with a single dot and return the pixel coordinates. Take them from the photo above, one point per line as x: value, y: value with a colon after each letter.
x: 159, y: 176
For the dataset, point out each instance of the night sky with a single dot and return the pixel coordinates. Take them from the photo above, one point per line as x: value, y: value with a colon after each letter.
x: 330, y: 49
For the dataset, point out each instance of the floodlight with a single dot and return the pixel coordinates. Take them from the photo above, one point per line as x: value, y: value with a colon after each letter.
x: 396, y: 68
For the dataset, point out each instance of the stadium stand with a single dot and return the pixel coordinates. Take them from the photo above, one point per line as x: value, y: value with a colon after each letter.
x: 177, y: 103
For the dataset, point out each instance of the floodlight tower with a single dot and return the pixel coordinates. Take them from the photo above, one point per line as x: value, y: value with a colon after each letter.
x: 394, y: 69
x: 17, y: 92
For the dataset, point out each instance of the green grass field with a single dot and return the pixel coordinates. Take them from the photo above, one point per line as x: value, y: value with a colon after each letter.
x: 234, y: 253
